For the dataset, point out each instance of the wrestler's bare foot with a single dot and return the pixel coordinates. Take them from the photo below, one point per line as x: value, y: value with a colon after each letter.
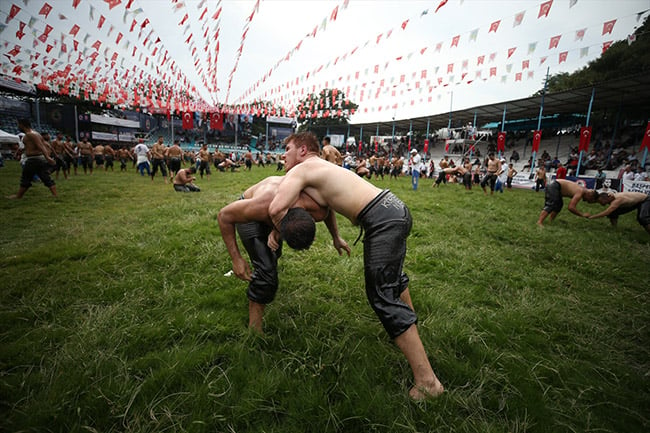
x: 540, y: 225
x: 12, y: 196
x: 426, y: 391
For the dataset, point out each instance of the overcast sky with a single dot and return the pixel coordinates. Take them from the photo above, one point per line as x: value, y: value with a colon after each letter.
x: 392, y: 39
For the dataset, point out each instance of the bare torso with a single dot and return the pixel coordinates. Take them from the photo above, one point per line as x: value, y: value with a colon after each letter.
x: 331, y: 186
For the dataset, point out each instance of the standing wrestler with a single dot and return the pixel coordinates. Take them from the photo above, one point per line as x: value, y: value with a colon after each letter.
x: 175, y: 156
x: 564, y: 188
x: 37, y: 160
x: 98, y: 151
x: 71, y: 154
x: 87, y: 154
x: 60, y: 155
x: 623, y: 202
x: 387, y: 223
x: 204, y: 165
x: 248, y: 160
x: 249, y: 217
x: 493, y: 167
x: 331, y: 153
x: 109, y: 157
x: 124, y: 155
x: 157, y: 152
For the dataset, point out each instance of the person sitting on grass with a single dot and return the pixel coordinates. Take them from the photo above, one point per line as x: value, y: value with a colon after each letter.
x: 184, y: 181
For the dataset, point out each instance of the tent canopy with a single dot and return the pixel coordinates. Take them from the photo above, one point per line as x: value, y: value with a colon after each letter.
x: 7, y: 138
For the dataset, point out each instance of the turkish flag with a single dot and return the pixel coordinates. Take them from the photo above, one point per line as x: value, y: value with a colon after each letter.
x: 360, y: 146
x: 188, y: 120
x: 585, y: 137
x: 501, y: 141
x: 426, y: 145
x: 645, y: 144
x: 216, y: 121
x: 537, y: 138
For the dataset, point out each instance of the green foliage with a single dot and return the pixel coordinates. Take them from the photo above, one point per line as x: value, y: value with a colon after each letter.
x: 116, y: 316
x: 330, y: 107
x: 621, y: 59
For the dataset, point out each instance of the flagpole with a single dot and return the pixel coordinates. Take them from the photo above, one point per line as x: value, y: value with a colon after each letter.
x: 539, y: 124
x: 591, y: 101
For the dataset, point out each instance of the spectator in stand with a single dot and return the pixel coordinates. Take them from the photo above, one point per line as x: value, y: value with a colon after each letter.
x: 515, y: 156
x: 628, y: 173
x: 560, y: 173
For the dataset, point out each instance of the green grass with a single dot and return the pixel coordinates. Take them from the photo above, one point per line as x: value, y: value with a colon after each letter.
x: 116, y: 316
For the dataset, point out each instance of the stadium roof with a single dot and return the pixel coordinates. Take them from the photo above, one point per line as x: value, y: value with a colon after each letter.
x: 629, y: 94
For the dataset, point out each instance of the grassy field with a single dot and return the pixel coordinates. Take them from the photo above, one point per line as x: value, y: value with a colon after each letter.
x: 116, y: 316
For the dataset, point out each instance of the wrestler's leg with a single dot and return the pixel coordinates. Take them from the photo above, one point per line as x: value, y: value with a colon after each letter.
x: 426, y: 383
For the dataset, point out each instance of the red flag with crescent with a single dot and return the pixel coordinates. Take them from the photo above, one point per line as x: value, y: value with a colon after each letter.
x: 216, y: 121
x: 426, y: 145
x: 360, y: 146
x: 585, y: 138
x: 188, y: 120
x: 501, y: 141
x: 645, y: 144
x: 537, y: 138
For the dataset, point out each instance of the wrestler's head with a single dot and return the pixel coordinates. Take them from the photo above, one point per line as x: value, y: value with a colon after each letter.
x: 298, y: 229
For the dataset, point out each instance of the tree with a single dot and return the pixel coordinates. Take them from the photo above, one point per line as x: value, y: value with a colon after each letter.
x: 621, y: 59
x: 330, y: 107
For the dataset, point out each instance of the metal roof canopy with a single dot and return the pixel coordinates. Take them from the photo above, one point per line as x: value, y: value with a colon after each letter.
x: 629, y: 94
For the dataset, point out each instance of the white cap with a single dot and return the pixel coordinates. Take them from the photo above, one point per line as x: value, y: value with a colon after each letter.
x: 414, y: 151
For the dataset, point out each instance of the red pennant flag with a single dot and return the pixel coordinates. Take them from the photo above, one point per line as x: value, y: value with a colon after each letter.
x: 74, y: 30
x: 608, y: 26
x: 585, y: 137
x: 183, y: 20
x: 501, y: 141
x: 511, y: 51
x: 216, y: 121
x: 493, y: 72
x: 606, y: 45
x: 545, y: 8
x: 645, y: 144
x: 119, y: 38
x: 404, y: 24
x: 188, y: 120
x: 455, y: 40
x: 334, y: 13
x: 537, y: 138
x: 563, y: 56
x: 133, y: 25
x: 20, y: 33
x: 15, y: 51
x: 494, y: 26
x: 75, y: 3
x: 112, y: 3
x: 12, y: 13
x: 97, y: 44
x: 45, y: 10
x: 144, y: 24
x: 101, y: 22
x: 442, y: 3
x: 555, y: 40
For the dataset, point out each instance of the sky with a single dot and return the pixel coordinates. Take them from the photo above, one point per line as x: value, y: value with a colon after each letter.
x: 395, y: 59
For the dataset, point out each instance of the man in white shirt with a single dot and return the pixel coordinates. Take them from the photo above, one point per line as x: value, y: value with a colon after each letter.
x: 416, y: 160
x: 141, y: 152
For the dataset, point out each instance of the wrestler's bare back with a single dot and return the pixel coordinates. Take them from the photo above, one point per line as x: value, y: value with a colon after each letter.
x: 330, y: 185
x: 267, y: 189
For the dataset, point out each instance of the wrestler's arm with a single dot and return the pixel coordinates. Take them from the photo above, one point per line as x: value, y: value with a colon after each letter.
x: 45, y: 148
x: 240, y: 211
x: 573, y: 206
x: 611, y: 208
x: 287, y: 194
x: 339, y: 242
